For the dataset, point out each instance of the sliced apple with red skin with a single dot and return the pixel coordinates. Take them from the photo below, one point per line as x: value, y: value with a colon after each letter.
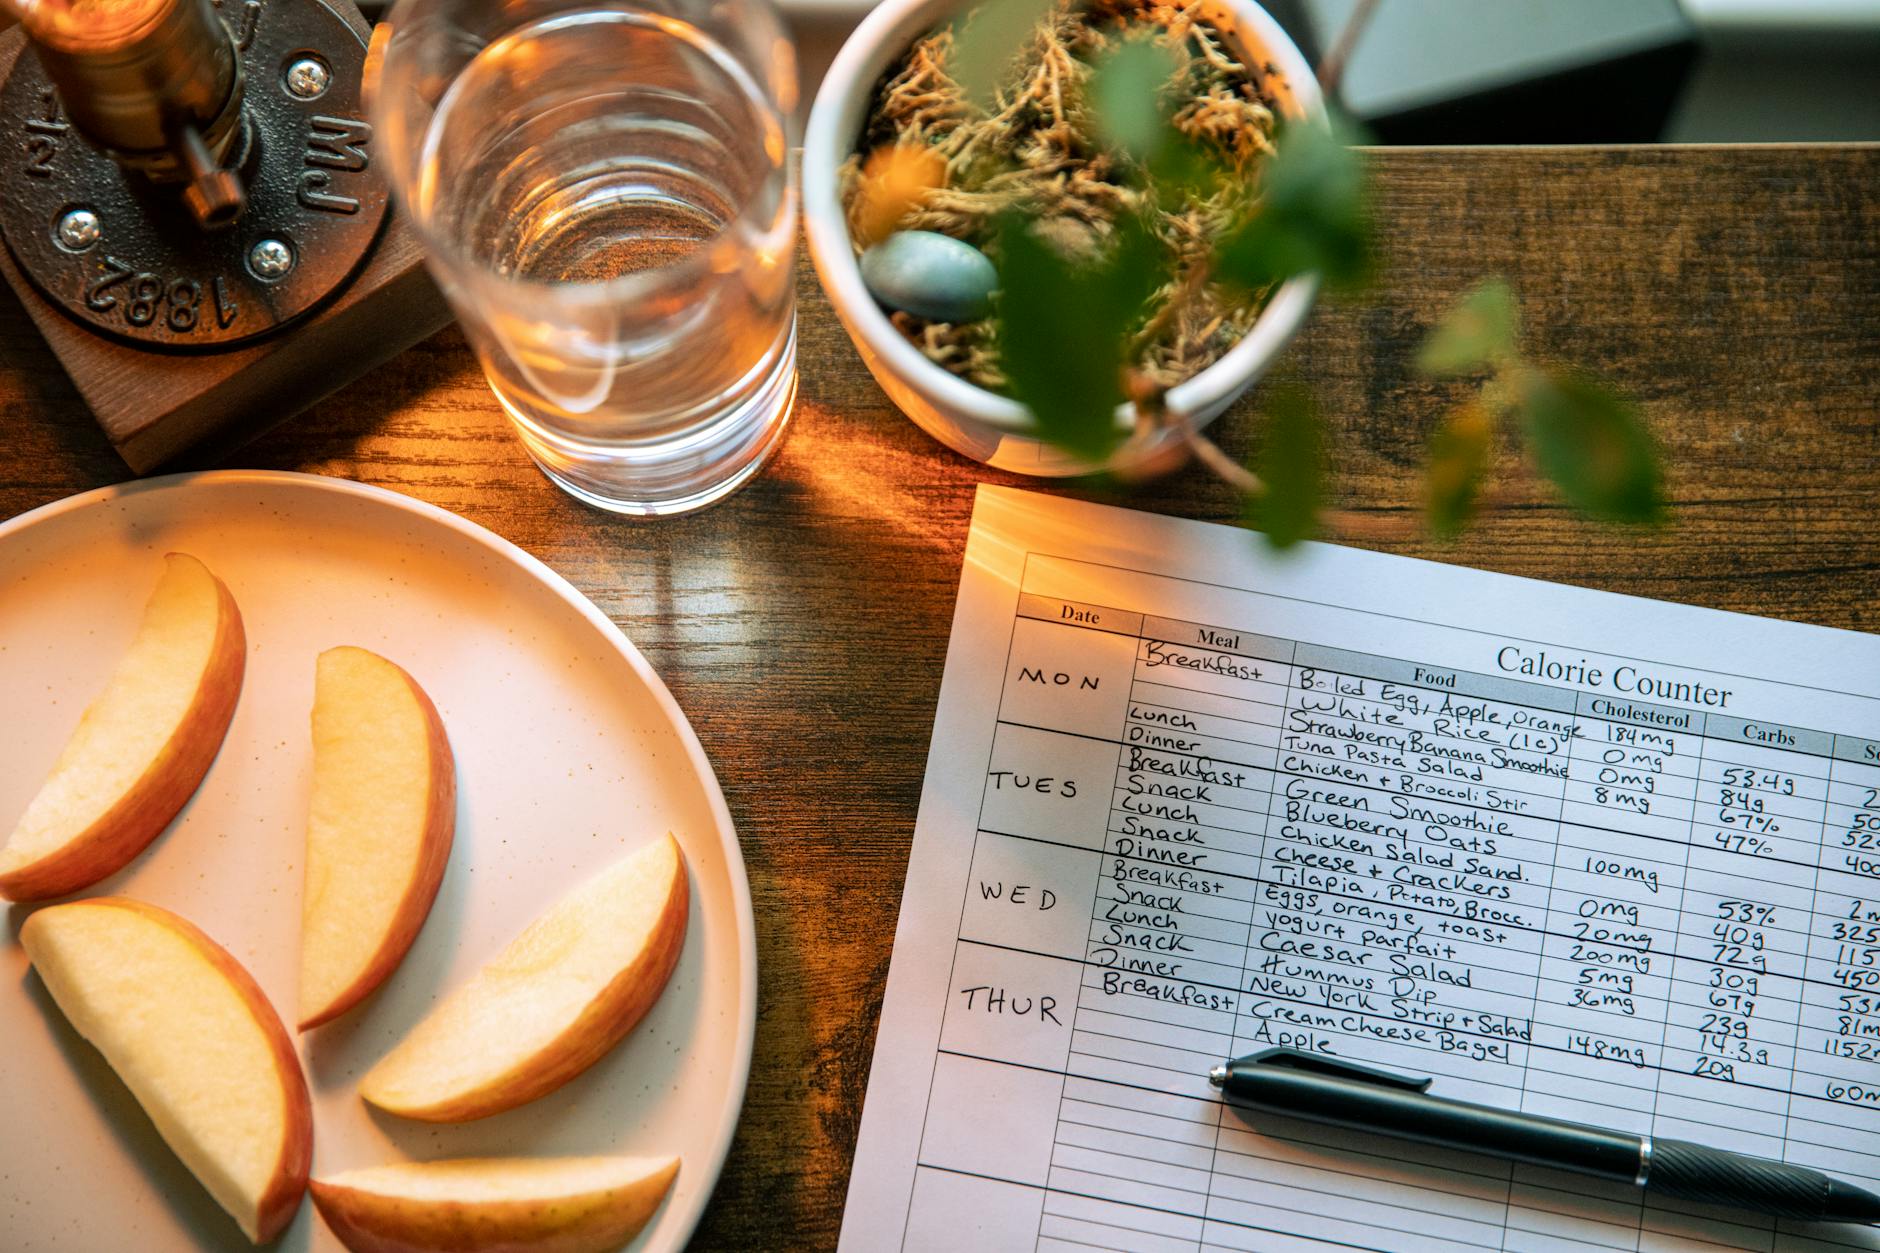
x: 495, y: 1205
x: 141, y: 747
x: 195, y: 1040
x: 379, y: 828
x: 551, y: 1004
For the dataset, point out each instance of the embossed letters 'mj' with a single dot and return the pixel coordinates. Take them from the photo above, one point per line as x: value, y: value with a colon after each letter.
x: 336, y: 143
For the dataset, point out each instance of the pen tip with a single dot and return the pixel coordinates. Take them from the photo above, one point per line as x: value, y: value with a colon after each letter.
x: 1218, y: 1076
x: 1849, y: 1204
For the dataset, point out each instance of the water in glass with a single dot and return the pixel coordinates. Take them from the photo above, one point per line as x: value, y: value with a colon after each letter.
x: 607, y: 197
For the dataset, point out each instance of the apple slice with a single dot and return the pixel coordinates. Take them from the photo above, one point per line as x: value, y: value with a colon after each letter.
x: 141, y: 747
x: 379, y: 829
x: 551, y: 1004
x: 542, y: 1205
x: 196, y: 1042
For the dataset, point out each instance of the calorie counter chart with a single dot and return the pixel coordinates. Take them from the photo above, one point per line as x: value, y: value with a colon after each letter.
x: 1363, y: 806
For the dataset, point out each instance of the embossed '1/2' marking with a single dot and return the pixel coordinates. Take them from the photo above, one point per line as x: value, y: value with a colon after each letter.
x: 43, y: 136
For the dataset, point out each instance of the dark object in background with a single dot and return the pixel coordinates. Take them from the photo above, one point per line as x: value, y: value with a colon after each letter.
x: 1506, y: 71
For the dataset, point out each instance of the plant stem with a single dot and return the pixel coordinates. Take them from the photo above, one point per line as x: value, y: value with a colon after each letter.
x: 1332, y: 68
x: 1377, y: 526
x: 1209, y: 454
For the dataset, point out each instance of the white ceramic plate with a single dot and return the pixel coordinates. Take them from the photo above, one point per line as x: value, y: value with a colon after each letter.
x: 570, y: 753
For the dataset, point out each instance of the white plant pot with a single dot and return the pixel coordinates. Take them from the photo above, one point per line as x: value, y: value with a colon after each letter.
x: 970, y: 420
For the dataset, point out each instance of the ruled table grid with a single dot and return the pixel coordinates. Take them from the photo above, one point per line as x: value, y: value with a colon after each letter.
x: 1654, y: 917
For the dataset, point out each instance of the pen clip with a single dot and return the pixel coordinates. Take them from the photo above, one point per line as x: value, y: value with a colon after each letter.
x: 1319, y: 1063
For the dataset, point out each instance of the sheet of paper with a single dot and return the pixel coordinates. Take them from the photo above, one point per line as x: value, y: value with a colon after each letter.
x: 1578, y: 854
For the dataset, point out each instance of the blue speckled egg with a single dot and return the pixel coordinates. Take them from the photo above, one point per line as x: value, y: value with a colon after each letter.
x: 930, y: 275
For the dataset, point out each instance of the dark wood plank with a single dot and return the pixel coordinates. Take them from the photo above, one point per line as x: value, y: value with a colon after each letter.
x: 802, y: 624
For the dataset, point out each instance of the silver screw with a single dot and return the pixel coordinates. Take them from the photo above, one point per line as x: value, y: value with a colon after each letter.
x: 308, y: 78
x: 270, y: 259
x: 79, y: 229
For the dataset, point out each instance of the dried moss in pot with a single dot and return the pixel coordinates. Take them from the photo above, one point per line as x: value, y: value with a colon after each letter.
x: 932, y: 160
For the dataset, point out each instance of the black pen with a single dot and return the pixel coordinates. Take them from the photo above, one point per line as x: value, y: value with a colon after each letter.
x: 1325, y: 1089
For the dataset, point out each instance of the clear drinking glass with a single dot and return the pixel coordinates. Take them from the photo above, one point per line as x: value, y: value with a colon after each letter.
x: 603, y: 190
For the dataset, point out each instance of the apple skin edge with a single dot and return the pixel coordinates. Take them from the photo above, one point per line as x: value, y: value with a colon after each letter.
x: 368, y: 1222
x: 282, y: 1200
x: 166, y: 785
x: 603, y: 1024
x: 439, y: 835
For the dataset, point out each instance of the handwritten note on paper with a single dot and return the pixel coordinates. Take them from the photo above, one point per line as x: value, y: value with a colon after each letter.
x: 1572, y: 853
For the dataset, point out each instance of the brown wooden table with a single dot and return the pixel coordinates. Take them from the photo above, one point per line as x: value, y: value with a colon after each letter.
x: 803, y: 623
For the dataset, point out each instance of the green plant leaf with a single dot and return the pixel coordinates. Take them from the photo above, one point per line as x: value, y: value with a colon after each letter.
x: 1183, y: 171
x: 1594, y: 446
x: 1063, y: 330
x: 987, y: 39
x: 1125, y: 92
x: 1135, y: 266
x: 1313, y: 216
x: 1290, y: 462
x: 1459, y: 452
x: 1479, y: 331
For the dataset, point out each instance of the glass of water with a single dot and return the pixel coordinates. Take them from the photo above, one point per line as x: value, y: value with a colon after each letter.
x: 604, y: 192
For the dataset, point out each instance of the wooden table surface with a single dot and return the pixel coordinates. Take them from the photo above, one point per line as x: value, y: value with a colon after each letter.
x: 802, y: 624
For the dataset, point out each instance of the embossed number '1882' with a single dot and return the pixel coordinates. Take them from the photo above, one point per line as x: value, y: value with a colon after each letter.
x: 142, y: 297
